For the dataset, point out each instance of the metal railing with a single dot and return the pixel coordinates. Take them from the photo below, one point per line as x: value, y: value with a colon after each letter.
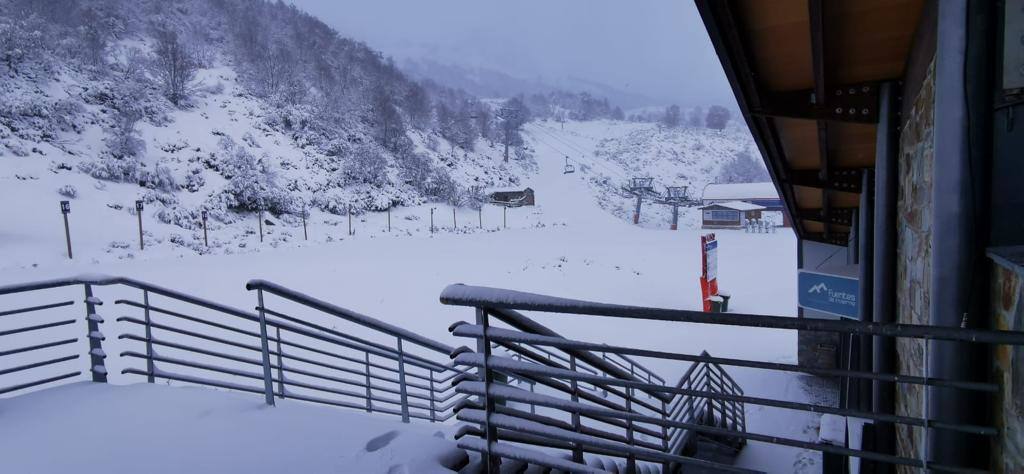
x: 191, y: 340
x: 628, y: 413
x: 728, y: 405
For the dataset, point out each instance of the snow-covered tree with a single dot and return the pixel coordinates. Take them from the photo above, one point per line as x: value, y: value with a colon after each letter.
x: 743, y: 168
x: 673, y: 116
x: 717, y: 118
x: 173, y: 65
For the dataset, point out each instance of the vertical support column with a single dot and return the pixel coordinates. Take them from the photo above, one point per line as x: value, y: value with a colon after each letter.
x: 577, y: 449
x: 883, y: 311
x: 639, y: 203
x: 369, y: 389
x: 268, y: 385
x: 955, y: 228
x: 483, y: 346
x: 403, y: 390
x: 96, y: 354
x: 865, y: 261
x: 280, y: 363
x: 150, y: 367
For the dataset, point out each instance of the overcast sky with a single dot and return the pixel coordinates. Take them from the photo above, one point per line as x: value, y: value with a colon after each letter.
x: 654, y: 47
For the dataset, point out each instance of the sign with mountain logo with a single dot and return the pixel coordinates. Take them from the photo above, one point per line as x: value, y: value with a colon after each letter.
x: 833, y: 294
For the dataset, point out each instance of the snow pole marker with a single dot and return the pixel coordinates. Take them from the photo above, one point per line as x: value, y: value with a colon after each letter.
x: 455, y: 222
x: 206, y: 239
x: 65, y: 209
x: 260, y: 222
x: 138, y: 211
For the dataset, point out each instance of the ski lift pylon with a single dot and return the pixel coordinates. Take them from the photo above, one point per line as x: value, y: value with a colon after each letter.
x: 569, y: 168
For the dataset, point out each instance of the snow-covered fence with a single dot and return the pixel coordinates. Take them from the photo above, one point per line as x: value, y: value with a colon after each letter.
x: 183, y: 339
x: 718, y: 399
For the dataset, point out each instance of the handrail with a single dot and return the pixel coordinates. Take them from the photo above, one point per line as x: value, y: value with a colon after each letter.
x: 521, y: 322
x: 499, y: 299
x: 349, y: 315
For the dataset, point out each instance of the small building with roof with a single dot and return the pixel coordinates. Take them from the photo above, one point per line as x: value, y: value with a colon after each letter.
x: 761, y: 194
x: 729, y: 215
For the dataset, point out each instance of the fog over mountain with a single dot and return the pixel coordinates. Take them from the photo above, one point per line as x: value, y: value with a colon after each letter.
x: 655, y: 49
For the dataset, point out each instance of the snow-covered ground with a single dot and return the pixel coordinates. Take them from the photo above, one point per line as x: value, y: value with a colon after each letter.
x: 96, y: 428
x: 567, y: 246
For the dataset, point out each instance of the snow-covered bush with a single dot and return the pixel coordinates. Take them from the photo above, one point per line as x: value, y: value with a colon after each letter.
x: 110, y: 168
x: 194, y: 180
x: 253, y: 183
x: 160, y: 178
x: 367, y: 165
x: 68, y: 191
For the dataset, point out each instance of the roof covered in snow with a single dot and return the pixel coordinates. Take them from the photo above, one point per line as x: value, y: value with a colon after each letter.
x: 737, y: 206
x: 740, y: 191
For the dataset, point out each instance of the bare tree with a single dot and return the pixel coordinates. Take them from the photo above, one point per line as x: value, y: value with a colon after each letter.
x: 173, y: 66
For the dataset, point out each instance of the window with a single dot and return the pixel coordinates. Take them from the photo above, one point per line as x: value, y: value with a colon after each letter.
x: 731, y: 216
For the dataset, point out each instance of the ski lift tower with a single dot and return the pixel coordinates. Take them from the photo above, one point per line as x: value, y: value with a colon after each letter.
x: 640, y: 187
x: 675, y: 196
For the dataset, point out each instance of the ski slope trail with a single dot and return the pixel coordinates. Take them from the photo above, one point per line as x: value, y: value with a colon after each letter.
x: 566, y: 198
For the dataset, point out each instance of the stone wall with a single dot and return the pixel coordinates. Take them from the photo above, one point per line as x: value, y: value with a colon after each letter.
x: 1008, y: 366
x: 914, y: 251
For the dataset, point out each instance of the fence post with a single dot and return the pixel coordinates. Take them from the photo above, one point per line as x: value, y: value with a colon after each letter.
x: 369, y: 391
x: 403, y: 390
x: 268, y: 384
x: 280, y: 363
x: 150, y: 368
x: 96, y: 354
x: 483, y: 346
x: 577, y: 449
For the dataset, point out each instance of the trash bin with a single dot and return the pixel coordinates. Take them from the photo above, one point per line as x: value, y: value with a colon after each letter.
x: 716, y: 303
x: 725, y: 301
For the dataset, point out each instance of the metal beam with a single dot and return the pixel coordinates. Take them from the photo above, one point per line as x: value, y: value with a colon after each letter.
x: 838, y: 216
x: 818, y: 57
x: 842, y: 179
x: 857, y: 103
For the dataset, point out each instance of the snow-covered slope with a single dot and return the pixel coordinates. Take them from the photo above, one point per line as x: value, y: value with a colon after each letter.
x: 608, y: 154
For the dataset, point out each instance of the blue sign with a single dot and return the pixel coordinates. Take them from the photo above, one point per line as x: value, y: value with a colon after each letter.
x: 831, y: 294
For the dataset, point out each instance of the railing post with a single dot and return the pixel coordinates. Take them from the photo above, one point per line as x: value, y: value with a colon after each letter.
x: 369, y: 389
x: 666, y: 467
x: 401, y: 383
x: 630, y: 459
x: 483, y: 346
x: 268, y: 384
x: 96, y: 355
x: 577, y: 449
x: 150, y: 367
x: 433, y: 413
x: 280, y: 363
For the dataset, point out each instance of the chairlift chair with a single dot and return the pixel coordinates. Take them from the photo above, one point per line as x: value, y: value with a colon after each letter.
x: 569, y: 169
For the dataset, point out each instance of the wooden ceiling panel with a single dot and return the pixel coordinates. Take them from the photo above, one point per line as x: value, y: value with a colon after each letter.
x: 807, y: 198
x: 778, y: 33
x: 871, y: 38
x: 800, y: 141
x: 852, y: 145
